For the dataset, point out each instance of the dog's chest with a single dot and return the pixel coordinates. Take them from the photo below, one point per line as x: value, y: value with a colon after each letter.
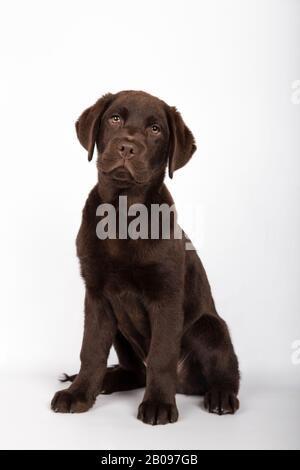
x: 114, y: 269
x: 142, y: 280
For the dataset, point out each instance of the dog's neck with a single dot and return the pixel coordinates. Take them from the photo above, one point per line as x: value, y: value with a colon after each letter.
x: 136, y: 194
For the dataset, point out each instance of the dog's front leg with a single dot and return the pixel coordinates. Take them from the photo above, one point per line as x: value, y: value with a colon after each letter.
x: 99, y: 332
x: 159, y: 405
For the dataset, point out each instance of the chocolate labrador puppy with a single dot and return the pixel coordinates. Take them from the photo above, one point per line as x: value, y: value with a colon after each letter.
x: 148, y: 297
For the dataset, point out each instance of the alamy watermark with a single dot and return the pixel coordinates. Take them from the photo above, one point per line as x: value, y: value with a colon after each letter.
x: 295, y: 96
x: 138, y: 221
x: 295, y: 357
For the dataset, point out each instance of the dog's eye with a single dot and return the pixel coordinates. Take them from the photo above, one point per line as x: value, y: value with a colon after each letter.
x: 155, y: 129
x: 115, y: 119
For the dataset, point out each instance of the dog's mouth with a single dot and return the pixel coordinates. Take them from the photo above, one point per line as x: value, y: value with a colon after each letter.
x: 122, y: 174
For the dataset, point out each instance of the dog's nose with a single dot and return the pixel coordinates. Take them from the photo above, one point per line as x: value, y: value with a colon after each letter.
x: 127, y: 149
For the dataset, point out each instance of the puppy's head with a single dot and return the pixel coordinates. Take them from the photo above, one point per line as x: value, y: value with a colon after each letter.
x: 137, y: 136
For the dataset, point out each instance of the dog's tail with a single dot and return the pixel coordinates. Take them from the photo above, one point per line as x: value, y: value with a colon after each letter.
x: 67, y: 378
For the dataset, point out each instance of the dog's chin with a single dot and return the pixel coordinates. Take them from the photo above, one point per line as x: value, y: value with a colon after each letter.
x: 121, y: 177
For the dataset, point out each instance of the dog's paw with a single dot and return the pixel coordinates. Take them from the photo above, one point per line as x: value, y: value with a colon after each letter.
x: 221, y: 402
x: 152, y: 412
x: 66, y: 401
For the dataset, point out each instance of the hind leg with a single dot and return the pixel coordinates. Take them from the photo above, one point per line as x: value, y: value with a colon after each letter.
x: 218, y: 371
x: 118, y: 379
x: 129, y: 374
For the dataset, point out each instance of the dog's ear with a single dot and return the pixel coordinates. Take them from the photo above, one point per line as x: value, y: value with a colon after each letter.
x: 88, y: 124
x: 182, y: 143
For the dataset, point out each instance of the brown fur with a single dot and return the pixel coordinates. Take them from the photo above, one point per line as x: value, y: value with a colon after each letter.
x: 149, y: 298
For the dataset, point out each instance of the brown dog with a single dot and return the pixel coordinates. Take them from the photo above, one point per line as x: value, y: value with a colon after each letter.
x: 149, y: 298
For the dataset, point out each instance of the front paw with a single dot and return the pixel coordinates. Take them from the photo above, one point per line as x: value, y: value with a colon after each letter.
x: 221, y: 402
x: 152, y: 412
x: 66, y: 401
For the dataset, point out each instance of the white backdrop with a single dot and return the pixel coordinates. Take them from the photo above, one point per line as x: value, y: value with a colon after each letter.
x: 230, y: 67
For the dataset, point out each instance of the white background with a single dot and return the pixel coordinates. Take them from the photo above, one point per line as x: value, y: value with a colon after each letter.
x: 229, y: 67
